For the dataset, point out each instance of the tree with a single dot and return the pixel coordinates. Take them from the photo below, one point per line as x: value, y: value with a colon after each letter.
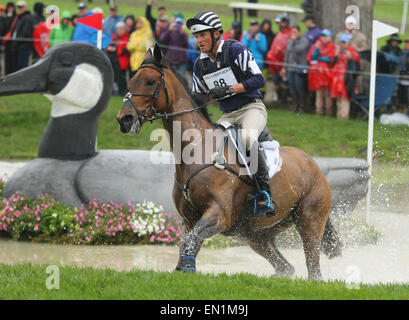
x: 331, y: 14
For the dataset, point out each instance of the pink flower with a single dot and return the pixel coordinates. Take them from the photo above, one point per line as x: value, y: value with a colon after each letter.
x: 36, y: 227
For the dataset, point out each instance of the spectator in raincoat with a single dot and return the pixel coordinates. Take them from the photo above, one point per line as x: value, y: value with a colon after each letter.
x: 62, y: 32
x: 314, y: 32
x: 276, y: 55
x: 40, y: 32
x: 82, y: 32
x: 177, y: 40
x: 296, y: 68
x: 234, y: 33
x: 392, y: 48
x: 109, y: 26
x: 8, y: 28
x: 344, y: 53
x: 319, y: 77
x: 266, y: 29
x: 22, y: 44
x: 256, y: 42
x: 119, y: 57
x: 41, y: 44
x: 139, y: 42
x: 193, y: 52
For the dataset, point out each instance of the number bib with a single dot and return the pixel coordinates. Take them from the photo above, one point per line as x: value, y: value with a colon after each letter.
x: 221, y: 78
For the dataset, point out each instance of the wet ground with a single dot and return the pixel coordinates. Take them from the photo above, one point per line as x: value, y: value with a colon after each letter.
x: 383, y: 263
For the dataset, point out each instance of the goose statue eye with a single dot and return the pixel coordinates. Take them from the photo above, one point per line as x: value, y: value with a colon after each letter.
x: 67, y: 58
x: 150, y: 82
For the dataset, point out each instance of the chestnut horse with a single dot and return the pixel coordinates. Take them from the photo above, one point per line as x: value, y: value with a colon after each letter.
x: 217, y: 200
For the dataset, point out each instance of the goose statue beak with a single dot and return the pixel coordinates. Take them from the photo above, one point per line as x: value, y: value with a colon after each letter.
x: 32, y: 79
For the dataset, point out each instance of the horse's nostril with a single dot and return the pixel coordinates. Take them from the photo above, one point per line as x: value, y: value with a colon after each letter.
x: 128, y: 119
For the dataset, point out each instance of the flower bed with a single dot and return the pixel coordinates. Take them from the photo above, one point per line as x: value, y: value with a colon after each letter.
x: 98, y: 223
x: 95, y: 223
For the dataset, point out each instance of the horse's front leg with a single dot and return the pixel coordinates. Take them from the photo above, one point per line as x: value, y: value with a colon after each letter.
x: 211, y: 223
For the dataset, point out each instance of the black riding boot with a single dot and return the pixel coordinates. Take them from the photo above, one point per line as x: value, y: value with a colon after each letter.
x: 262, y: 182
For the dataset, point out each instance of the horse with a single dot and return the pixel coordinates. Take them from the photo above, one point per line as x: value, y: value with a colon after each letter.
x: 217, y: 200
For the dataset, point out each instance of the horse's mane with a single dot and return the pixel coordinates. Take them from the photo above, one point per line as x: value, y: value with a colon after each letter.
x: 166, y: 64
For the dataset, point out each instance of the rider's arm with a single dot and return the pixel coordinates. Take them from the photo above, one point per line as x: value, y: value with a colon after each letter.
x: 245, y: 61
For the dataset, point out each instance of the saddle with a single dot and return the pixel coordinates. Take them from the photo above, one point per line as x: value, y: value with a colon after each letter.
x: 231, y: 138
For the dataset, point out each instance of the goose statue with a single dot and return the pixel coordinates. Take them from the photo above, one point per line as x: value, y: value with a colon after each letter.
x: 78, y: 79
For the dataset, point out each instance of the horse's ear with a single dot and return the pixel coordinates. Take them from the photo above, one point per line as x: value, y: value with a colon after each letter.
x: 148, y: 54
x: 157, y: 53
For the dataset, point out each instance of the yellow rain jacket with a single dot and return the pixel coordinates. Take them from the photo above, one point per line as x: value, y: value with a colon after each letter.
x: 139, y: 42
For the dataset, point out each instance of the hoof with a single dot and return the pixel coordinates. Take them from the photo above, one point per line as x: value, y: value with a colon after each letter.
x: 286, y: 273
x: 187, y: 264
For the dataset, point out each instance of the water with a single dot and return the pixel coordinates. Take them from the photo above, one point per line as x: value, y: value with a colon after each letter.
x: 386, y: 262
x: 383, y: 263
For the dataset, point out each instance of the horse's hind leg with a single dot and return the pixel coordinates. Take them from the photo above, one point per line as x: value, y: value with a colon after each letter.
x: 310, y: 223
x: 265, y: 247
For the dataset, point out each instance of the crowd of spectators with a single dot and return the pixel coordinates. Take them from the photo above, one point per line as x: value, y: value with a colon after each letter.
x: 315, y: 63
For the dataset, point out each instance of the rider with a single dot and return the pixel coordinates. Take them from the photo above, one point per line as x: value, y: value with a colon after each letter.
x: 236, y: 88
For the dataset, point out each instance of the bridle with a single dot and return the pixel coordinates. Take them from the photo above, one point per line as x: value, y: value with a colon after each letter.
x: 143, y: 115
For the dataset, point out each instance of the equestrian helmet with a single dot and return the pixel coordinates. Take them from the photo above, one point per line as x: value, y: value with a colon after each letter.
x: 205, y: 21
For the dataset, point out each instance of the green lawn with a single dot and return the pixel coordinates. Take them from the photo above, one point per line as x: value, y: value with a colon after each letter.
x: 24, y: 117
x: 29, y: 282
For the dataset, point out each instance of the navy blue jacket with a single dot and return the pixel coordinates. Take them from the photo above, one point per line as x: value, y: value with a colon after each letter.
x: 244, y: 68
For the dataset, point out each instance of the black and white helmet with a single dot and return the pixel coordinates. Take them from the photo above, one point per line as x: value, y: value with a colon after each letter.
x: 205, y: 21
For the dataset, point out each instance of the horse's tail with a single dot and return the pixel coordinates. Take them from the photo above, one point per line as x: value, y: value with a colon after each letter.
x: 331, y: 244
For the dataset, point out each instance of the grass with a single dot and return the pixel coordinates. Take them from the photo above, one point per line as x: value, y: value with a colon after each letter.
x: 24, y: 117
x: 26, y: 281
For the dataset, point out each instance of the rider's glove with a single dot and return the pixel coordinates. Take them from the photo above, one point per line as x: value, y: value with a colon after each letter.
x: 218, y: 92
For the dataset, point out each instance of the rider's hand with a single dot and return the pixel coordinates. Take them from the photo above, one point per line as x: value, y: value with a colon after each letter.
x: 218, y: 92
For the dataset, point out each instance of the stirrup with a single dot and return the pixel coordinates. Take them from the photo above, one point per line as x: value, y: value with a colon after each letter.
x: 264, y: 209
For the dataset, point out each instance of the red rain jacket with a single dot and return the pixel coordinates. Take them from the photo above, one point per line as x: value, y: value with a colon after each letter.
x: 276, y: 54
x: 338, y: 72
x: 41, y: 34
x: 121, y: 52
x: 320, y: 71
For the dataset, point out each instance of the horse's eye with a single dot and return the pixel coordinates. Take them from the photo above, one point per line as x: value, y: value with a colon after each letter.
x: 150, y: 82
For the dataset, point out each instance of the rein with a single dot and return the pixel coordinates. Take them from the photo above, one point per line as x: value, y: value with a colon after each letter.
x: 142, y: 115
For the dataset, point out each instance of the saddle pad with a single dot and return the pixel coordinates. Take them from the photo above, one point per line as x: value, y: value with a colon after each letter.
x: 271, y: 151
x: 273, y: 159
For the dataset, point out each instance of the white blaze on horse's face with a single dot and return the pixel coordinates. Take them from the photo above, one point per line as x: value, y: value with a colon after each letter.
x: 80, y: 94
